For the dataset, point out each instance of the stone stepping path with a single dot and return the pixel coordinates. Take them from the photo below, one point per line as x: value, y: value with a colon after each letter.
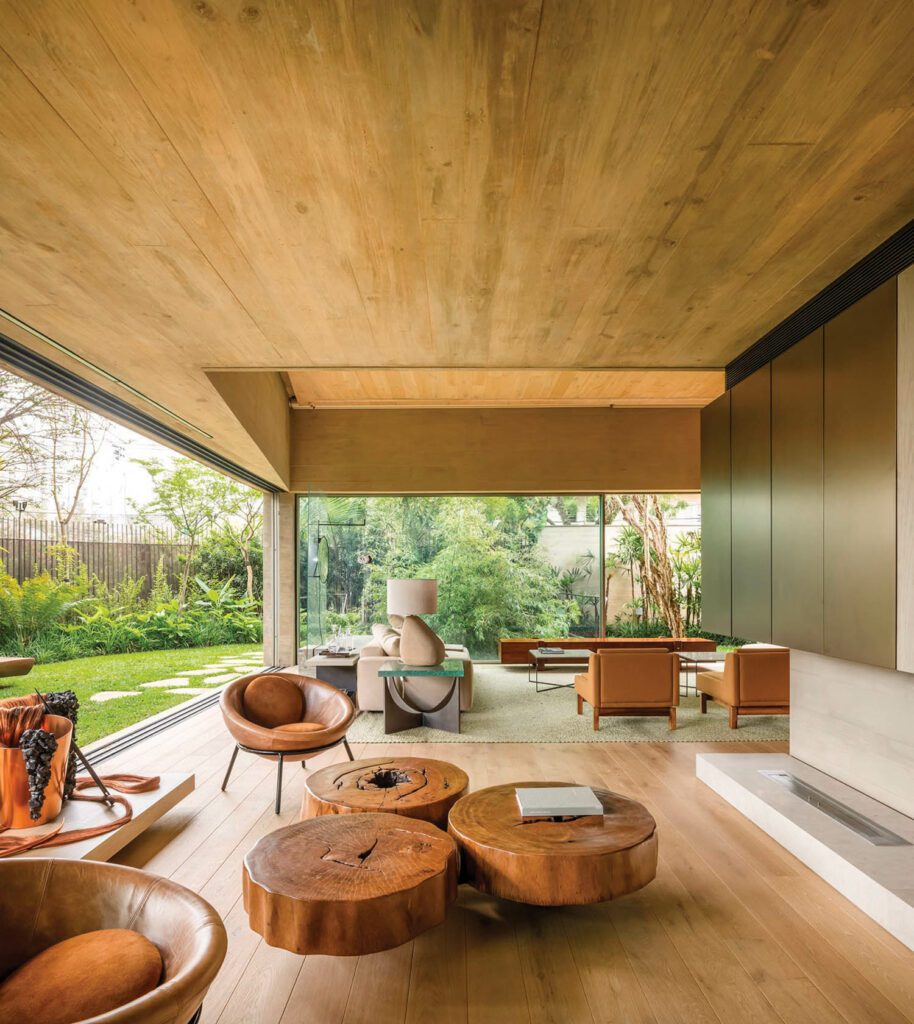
x: 194, y: 690
x: 105, y: 695
x: 177, y: 681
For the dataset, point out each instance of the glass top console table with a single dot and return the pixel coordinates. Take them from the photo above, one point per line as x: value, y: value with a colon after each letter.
x: 400, y: 710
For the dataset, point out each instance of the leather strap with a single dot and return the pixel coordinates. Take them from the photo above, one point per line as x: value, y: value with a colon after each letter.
x: 120, y: 783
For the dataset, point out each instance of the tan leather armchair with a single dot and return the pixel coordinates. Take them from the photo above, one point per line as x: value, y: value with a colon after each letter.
x: 630, y: 682
x: 44, y: 901
x: 325, y: 716
x: 754, y: 681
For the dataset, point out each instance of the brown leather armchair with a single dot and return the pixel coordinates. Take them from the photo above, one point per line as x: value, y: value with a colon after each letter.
x: 630, y: 682
x: 754, y: 681
x: 326, y: 713
x: 44, y: 901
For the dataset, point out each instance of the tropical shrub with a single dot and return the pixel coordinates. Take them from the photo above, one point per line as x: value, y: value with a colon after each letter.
x: 34, y: 620
x: 27, y: 609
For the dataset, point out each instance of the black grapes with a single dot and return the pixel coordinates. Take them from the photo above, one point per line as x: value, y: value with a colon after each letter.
x: 66, y: 704
x: 37, y: 748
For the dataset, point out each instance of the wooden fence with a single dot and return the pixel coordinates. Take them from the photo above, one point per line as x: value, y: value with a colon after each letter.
x: 109, y: 548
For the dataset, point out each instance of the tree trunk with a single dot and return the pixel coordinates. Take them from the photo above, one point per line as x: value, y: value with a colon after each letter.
x: 185, y: 576
x: 249, y: 570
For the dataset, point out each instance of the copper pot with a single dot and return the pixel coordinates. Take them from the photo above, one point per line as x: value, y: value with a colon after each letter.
x: 14, y: 781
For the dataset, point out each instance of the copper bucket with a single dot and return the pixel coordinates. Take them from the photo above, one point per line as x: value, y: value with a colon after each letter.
x: 14, y: 781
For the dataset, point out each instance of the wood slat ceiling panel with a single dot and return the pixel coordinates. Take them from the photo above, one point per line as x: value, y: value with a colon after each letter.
x: 341, y: 388
x: 489, y: 183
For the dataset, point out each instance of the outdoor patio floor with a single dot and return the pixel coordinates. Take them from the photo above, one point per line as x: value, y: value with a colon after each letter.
x: 733, y: 927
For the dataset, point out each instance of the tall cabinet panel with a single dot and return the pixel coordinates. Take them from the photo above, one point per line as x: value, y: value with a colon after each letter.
x: 750, y: 513
x: 796, y: 496
x: 715, y: 516
x: 859, y: 480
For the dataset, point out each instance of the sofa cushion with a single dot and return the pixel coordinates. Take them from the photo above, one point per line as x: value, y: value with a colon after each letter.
x: 271, y: 701
x: 301, y: 727
x: 390, y: 644
x: 419, y: 643
x: 81, y: 977
x: 396, y: 621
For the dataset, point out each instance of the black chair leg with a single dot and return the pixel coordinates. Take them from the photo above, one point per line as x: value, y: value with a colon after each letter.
x: 278, y: 782
x: 348, y: 751
x: 230, y: 767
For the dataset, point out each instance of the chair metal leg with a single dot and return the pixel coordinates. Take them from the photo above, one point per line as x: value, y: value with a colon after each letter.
x: 348, y: 751
x: 278, y: 783
x: 230, y: 767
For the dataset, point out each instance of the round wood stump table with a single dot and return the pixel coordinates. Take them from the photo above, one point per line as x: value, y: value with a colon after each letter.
x: 345, y: 885
x: 553, y: 862
x: 416, y: 787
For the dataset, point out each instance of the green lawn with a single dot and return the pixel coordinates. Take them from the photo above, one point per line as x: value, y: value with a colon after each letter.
x: 86, y: 676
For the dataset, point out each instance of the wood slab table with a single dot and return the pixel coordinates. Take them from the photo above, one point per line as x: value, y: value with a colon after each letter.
x: 553, y: 862
x: 350, y: 884
x: 416, y: 787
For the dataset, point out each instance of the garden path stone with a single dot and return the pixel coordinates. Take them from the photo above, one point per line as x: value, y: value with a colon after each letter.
x: 215, y: 680
x: 104, y: 695
x: 195, y: 690
x: 177, y: 681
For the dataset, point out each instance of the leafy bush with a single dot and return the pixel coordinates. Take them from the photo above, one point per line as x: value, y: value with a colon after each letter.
x: 27, y: 609
x: 33, y: 622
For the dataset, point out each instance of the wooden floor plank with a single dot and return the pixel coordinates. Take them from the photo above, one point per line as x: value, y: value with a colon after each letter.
x: 495, y: 979
x: 612, y: 988
x: 321, y: 991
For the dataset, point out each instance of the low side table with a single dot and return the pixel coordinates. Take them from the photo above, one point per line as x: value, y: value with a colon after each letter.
x: 553, y: 862
x: 349, y: 884
x: 401, y: 713
x: 694, y: 660
x: 339, y: 672
x: 416, y: 787
x: 540, y: 658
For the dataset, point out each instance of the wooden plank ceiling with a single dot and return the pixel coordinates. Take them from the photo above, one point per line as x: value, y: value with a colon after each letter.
x: 524, y: 193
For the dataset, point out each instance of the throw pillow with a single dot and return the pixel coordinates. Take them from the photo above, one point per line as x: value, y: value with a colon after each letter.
x: 272, y: 701
x: 82, y: 977
x: 419, y: 643
x: 379, y: 630
x: 396, y: 621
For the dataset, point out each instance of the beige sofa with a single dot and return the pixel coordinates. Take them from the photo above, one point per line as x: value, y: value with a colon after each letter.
x: 424, y: 691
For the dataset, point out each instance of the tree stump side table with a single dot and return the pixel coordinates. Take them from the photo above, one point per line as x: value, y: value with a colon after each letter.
x: 553, y: 862
x: 346, y: 885
x: 415, y: 787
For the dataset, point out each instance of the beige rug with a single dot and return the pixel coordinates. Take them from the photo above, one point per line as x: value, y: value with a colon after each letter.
x: 507, y: 709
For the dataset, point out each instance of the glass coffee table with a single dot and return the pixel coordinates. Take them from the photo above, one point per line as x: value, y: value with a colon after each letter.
x: 540, y: 658
x: 400, y: 711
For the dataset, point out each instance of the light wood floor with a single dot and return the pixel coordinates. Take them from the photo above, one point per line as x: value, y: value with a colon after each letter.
x: 733, y: 929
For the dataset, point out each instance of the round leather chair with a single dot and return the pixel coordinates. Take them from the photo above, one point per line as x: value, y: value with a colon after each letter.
x: 326, y: 713
x: 44, y: 901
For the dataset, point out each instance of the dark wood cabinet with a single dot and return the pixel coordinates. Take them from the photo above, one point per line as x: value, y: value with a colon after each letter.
x: 715, y: 515
x: 797, y: 618
x: 750, y: 506
x: 859, y: 480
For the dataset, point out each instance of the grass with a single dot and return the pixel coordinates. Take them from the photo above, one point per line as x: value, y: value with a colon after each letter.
x: 86, y: 676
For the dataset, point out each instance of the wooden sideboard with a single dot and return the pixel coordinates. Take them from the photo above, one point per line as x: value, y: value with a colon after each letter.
x: 517, y: 652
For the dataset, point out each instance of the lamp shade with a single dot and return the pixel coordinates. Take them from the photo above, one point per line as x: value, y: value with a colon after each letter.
x: 412, y: 597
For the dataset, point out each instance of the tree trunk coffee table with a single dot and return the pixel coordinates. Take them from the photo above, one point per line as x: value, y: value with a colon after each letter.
x: 350, y: 884
x: 553, y: 862
x: 415, y: 787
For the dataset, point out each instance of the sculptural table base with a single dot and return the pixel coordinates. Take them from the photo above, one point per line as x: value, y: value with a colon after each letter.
x: 401, y: 713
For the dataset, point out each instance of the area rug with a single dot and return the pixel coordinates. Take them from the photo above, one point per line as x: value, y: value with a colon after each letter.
x: 507, y: 709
